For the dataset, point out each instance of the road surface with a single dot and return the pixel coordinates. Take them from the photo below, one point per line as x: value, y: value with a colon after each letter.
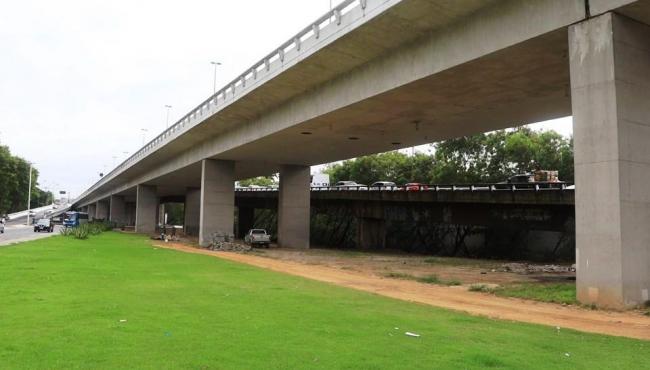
x: 19, y: 233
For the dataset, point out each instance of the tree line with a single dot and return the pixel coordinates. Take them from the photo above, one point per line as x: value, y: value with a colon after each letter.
x: 14, y: 181
x: 483, y: 158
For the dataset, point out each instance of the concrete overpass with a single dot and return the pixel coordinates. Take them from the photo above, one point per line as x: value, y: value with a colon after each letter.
x: 377, y: 75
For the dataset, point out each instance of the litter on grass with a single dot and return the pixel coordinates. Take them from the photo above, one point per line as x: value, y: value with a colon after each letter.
x: 412, y: 334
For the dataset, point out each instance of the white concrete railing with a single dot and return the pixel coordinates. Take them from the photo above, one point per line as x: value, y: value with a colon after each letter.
x: 263, y: 69
x: 15, y: 215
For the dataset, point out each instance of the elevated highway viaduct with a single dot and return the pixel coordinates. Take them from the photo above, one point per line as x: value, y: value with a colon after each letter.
x: 377, y: 75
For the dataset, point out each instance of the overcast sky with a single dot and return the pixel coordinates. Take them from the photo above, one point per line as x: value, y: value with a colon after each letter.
x: 80, y: 79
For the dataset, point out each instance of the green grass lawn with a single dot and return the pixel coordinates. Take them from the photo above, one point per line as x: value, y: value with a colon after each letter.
x: 62, y: 300
x: 545, y: 292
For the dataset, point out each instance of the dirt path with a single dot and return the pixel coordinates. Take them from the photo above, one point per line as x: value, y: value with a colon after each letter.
x: 626, y: 324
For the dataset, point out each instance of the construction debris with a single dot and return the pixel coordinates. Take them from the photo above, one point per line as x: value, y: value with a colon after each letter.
x: 227, y: 242
x: 527, y: 268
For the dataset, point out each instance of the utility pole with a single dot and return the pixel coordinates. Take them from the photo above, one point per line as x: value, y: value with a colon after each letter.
x: 214, y: 79
x: 167, y: 119
x: 29, y: 192
x: 144, y: 133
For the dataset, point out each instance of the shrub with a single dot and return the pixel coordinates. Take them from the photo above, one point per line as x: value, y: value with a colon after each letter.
x: 83, y: 231
x: 480, y: 288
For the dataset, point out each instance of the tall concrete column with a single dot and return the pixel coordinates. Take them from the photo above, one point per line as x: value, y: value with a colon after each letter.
x: 101, y: 210
x: 293, y: 206
x: 117, y: 212
x: 146, y: 207
x: 92, y: 211
x: 161, y: 214
x: 129, y: 211
x: 192, y: 211
x: 610, y: 81
x: 217, y: 199
x: 245, y: 220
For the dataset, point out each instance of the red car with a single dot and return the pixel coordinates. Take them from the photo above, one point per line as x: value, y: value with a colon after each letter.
x: 415, y: 186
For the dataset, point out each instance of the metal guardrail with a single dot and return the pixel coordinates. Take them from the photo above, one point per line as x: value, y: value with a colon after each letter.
x: 538, y: 186
x: 268, y: 65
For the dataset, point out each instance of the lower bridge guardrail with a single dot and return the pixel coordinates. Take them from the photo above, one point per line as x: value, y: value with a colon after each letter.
x: 537, y: 186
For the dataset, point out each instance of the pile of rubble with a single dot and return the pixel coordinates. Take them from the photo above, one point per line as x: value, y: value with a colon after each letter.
x: 527, y: 268
x: 226, y: 242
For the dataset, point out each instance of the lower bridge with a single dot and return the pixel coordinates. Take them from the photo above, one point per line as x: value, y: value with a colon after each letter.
x: 471, y: 220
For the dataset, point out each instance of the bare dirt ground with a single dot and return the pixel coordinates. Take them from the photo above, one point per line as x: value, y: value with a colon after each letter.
x: 462, y: 270
x: 366, y: 272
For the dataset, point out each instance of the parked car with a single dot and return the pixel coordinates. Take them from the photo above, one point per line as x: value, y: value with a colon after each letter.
x: 349, y: 185
x: 2, y: 227
x: 415, y: 186
x: 44, y: 224
x: 257, y: 237
x: 383, y: 185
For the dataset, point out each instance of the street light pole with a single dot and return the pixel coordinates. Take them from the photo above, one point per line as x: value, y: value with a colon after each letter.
x: 214, y: 79
x: 167, y: 119
x: 29, y: 193
x: 144, y: 132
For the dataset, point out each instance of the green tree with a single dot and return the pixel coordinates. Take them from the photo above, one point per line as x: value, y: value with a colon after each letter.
x: 391, y: 166
x: 495, y: 156
x: 481, y: 158
x: 259, y: 181
x: 14, y: 180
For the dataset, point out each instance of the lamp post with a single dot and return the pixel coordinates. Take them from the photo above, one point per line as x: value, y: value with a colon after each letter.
x: 167, y: 119
x: 214, y: 79
x: 144, y: 133
x: 29, y: 193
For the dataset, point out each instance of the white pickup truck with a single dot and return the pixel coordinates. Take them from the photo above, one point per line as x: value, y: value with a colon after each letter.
x: 257, y: 237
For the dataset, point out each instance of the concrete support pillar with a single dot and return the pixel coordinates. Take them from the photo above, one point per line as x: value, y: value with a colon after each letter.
x: 129, y: 213
x: 293, y: 206
x: 146, y: 206
x: 217, y: 199
x: 192, y: 212
x: 245, y: 220
x: 101, y: 210
x: 371, y: 233
x: 117, y: 211
x: 610, y: 81
x: 91, y: 211
x: 161, y: 214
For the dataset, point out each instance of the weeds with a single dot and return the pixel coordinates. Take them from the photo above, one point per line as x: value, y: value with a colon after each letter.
x: 399, y: 275
x: 83, y: 231
x: 480, y: 288
x: 429, y: 279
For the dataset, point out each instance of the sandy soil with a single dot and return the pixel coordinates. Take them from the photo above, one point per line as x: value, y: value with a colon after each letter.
x: 364, y: 277
x: 466, y: 271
